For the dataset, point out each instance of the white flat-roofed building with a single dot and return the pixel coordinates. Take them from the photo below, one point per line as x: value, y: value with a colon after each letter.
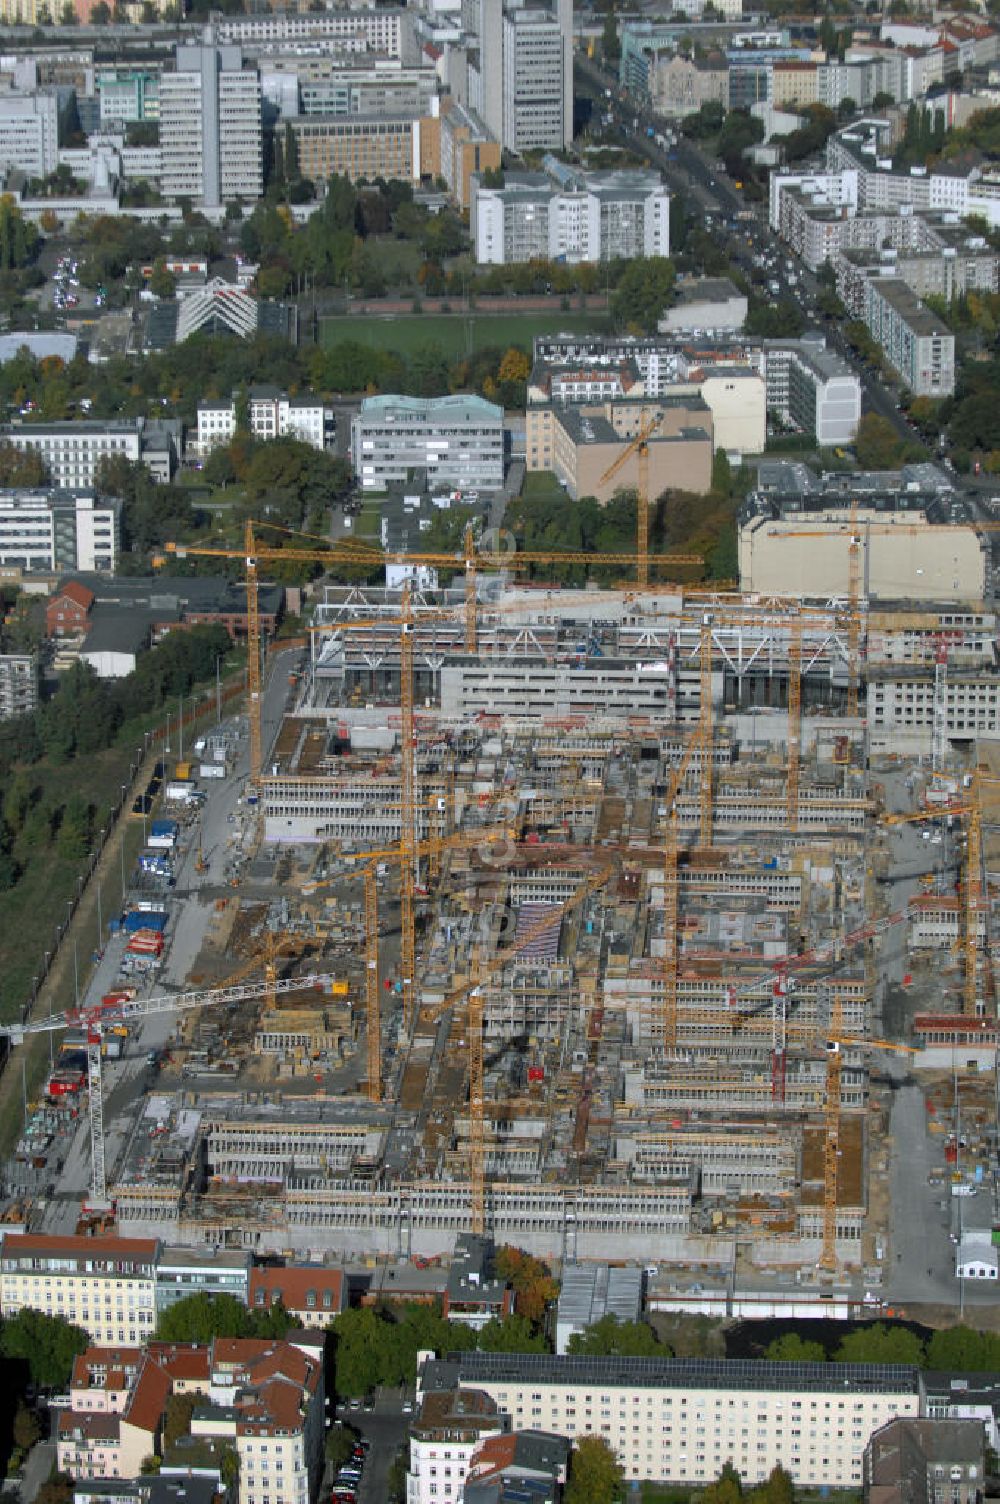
x: 680, y: 1420
x: 72, y: 452
x: 571, y: 216
x: 29, y: 133
x: 60, y: 529
x: 273, y: 414
x: 916, y: 343
x: 458, y: 441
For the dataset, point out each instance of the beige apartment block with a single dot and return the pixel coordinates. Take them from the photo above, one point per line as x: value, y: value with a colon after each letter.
x: 107, y: 1287
x: 682, y: 1420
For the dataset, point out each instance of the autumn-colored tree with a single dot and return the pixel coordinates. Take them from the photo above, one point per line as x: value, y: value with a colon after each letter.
x: 515, y: 365
x: 531, y: 1280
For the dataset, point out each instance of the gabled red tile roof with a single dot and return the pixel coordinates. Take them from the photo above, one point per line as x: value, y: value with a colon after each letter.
x: 149, y: 1398
x: 295, y: 1284
x: 182, y: 1360
x: 78, y: 593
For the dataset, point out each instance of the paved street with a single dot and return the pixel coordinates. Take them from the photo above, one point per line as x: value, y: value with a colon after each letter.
x: 37, y: 1469
x: 224, y: 815
x: 386, y: 1428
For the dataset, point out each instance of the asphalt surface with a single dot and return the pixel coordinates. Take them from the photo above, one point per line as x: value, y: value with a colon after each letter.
x: 190, y: 904
x: 919, y: 1265
x: 37, y: 1468
x: 386, y: 1427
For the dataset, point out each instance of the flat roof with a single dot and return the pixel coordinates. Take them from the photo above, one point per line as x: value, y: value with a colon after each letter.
x: 904, y: 300
x: 687, y: 1373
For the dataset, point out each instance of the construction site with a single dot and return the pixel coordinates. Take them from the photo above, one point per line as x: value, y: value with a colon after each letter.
x: 577, y: 917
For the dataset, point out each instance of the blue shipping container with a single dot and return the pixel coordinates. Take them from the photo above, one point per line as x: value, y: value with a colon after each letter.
x: 139, y: 919
x: 164, y: 828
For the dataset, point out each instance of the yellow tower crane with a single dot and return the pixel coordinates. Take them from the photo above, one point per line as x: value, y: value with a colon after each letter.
x: 479, y: 972
x: 639, y: 446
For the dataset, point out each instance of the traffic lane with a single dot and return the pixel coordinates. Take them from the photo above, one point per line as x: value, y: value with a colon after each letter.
x: 387, y: 1428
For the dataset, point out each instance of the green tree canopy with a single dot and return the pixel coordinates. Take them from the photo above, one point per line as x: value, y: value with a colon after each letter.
x: 791, y: 1348
x: 877, y: 444
x: 610, y: 1337
x: 594, y: 1474
x: 48, y: 1345
x: 643, y: 292
x: 199, y: 1318
x: 959, y: 1347
x: 878, y: 1343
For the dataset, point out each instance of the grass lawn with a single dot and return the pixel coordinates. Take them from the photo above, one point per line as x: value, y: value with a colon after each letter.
x: 540, y: 484
x: 458, y: 334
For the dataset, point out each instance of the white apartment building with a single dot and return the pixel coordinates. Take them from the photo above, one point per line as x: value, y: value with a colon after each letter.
x: 571, y: 216
x: 58, y: 530
x: 18, y: 684
x: 210, y: 127
x: 813, y: 389
x: 444, y: 1437
x: 681, y: 1420
x: 72, y: 452
x: 107, y: 1286
x: 457, y: 441
x: 383, y: 31
x: 29, y: 133
x: 918, y: 345
x: 273, y: 414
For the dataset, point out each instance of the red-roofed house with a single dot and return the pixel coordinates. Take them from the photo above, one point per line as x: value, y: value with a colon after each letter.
x: 67, y: 613
x: 314, y: 1294
x: 266, y: 1395
x: 270, y: 1398
x: 112, y: 1443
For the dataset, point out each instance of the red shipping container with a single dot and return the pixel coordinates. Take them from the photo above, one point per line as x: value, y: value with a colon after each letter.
x: 536, y: 1073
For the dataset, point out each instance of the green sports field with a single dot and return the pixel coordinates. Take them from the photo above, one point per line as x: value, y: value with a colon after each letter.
x: 458, y: 334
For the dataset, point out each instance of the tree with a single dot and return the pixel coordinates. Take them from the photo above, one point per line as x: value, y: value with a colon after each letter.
x: 530, y: 1279
x: 362, y: 1354
x: 162, y: 283
x: 643, y: 292
x: 21, y: 470
x: 26, y: 1428
x: 960, y: 1348
x: 594, y: 1474
x: 48, y: 1345
x: 100, y: 14
x: 75, y: 829
x: 199, y: 1318
x: 878, y: 1343
x: 727, y: 1488
x: 609, y: 41
x: 777, y: 1488
x: 876, y: 443
x: 55, y: 1490
x: 515, y: 1334
x: 339, y: 1445
x: 515, y: 366
x: 177, y: 1421
x: 611, y: 1338
x: 791, y: 1348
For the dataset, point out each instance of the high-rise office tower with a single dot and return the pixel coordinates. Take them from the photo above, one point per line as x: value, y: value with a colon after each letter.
x: 526, y: 67
x: 210, y: 127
